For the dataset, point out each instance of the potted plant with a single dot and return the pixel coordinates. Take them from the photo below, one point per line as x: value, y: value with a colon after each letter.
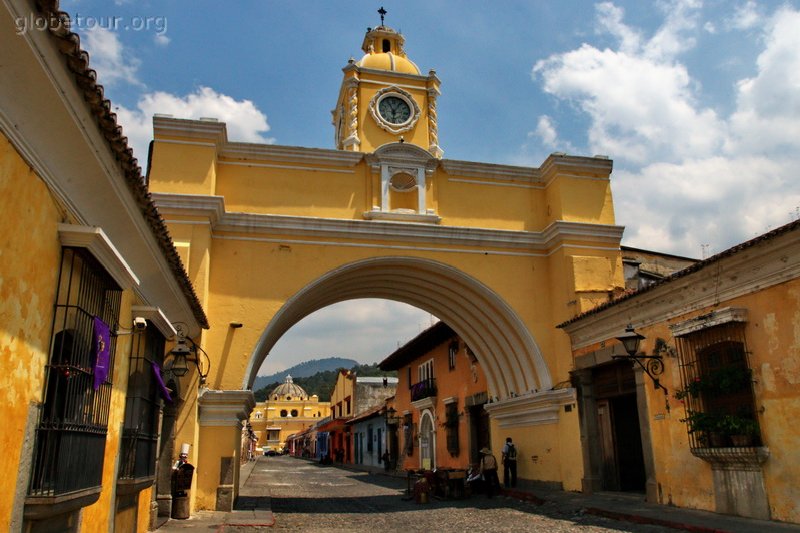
x: 742, y: 430
x: 708, y: 425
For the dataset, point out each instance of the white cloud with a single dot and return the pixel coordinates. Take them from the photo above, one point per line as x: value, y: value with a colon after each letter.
x: 160, y: 39
x: 367, y: 330
x: 685, y: 175
x: 245, y: 122
x: 745, y: 17
x: 546, y: 131
x: 767, y: 118
x: 109, y: 58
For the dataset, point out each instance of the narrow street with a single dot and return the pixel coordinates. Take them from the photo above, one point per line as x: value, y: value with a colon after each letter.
x: 306, y: 496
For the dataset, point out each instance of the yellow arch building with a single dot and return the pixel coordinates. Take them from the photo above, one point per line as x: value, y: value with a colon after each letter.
x: 502, y: 254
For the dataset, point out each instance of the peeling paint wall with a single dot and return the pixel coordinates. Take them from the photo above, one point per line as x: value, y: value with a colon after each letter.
x: 28, y: 275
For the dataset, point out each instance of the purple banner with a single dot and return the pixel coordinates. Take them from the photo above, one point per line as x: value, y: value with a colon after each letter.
x: 102, y: 348
x: 161, y: 387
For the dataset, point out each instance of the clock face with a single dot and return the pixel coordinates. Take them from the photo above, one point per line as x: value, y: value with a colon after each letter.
x: 394, y: 110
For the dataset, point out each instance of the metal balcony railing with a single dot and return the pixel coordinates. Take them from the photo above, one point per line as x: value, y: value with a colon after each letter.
x: 424, y: 389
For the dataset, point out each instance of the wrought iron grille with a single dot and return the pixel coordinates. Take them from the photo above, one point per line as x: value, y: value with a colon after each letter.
x: 424, y: 389
x: 71, y: 435
x: 142, y: 408
x: 717, y: 386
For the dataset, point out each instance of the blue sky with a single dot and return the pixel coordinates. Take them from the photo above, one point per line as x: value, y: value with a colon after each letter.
x: 697, y: 102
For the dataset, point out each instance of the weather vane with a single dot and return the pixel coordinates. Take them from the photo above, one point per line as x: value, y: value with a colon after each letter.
x: 382, y: 13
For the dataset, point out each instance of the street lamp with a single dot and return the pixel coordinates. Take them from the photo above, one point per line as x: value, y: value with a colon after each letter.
x: 181, y: 353
x: 654, y: 365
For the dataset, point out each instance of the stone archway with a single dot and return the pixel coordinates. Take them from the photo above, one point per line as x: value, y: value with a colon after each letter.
x: 510, y: 357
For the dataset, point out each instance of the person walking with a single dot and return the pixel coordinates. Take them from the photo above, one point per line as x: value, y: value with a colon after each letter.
x: 488, y: 469
x: 509, y: 464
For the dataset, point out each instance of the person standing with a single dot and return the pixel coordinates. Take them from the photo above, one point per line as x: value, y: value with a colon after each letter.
x: 509, y: 464
x: 488, y: 468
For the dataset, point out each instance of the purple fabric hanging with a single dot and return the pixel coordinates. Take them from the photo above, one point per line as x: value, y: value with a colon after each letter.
x: 102, y: 349
x: 161, y: 387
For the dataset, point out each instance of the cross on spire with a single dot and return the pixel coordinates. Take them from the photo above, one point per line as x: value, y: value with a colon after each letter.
x: 382, y: 13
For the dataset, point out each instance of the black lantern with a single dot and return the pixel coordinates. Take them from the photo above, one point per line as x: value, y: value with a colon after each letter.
x: 654, y: 364
x: 181, y: 358
x: 630, y: 340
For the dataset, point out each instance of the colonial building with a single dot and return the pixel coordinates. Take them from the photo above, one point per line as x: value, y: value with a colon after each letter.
x: 287, y: 410
x: 351, y: 396
x: 93, y: 290
x: 440, y: 420
x: 703, y: 415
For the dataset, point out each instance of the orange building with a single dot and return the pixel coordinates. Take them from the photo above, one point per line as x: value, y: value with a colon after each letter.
x: 439, y: 400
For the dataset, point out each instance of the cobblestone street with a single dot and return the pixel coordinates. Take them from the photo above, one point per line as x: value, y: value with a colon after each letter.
x: 308, y: 497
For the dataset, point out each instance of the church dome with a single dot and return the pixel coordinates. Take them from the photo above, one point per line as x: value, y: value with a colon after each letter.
x: 288, y: 391
x: 383, y: 48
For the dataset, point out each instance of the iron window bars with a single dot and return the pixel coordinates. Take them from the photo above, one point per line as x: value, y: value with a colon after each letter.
x: 717, y: 386
x: 138, y: 452
x: 71, y: 434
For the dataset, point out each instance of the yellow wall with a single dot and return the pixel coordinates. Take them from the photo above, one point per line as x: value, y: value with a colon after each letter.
x: 217, y: 442
x: 27, y: 291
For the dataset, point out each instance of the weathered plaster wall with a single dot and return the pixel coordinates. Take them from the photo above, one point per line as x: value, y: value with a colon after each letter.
x: 773, y: 340
x: 28, y: 275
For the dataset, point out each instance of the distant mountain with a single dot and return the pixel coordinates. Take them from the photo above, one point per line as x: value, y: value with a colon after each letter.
x: 303, y: 370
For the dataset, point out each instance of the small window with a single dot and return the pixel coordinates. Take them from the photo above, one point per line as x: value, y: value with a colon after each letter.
x: 718, y: 388
x: 142, y: 407
x: 71, y: 433
x: 387, y: 46
x: 452, y: 350
x: 284, y: 413
x: 294, y: 412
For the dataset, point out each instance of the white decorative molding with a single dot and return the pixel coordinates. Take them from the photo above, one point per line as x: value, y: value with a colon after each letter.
x: 449, y: 400
x: 289, y: 154
x: 531, y: 409
x: 425, y: 403
x: 225, y: 408
x: 394, y: 91
x: 211, y: 208
x: 714, y: 318
x: 394, y: 74
x: 212, y: 130
x: 154, y: 315
x: 470, y: 169
x: 402, y: 217
x: 387, y: 225
x: 99, y: 245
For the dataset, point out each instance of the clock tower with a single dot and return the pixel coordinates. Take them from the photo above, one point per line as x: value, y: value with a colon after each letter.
x: 384, y: 99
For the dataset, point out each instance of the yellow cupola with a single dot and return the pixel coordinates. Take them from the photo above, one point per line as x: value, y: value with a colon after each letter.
x: 384, y: 98
x: 383, y: 49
